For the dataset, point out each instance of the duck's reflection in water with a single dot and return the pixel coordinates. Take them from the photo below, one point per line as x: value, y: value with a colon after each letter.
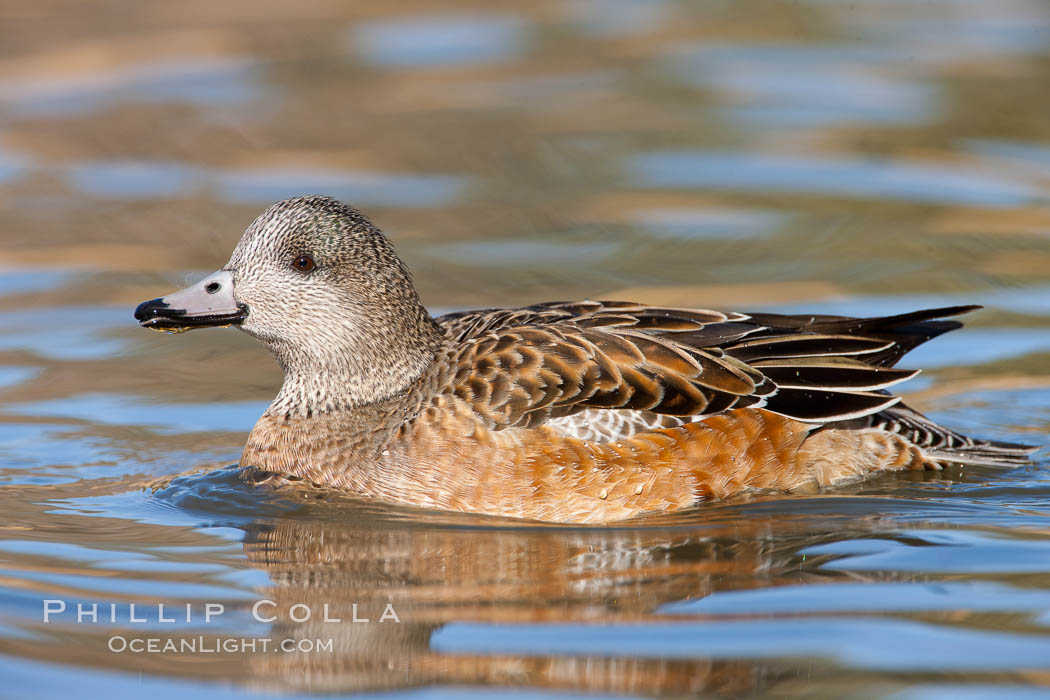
x: 432, y: 576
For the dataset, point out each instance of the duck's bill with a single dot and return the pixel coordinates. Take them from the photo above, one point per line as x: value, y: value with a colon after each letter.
x: 207, y: 304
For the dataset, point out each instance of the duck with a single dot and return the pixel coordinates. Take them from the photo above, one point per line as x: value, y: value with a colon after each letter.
x: 565, y: 411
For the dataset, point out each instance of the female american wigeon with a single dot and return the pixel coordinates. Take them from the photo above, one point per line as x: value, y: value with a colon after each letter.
x: 564, y: 411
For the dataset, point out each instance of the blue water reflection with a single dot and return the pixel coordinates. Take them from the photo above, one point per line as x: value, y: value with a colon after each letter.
x: 439, y: 40
x: 11, y: 376
x: 1034, y: 300
x: 65, y: 333
x: 127, y: 179
x: 361, y: 187
x: 709, y: 223
x: 211, y: 81
x: 614, y: 18
x: 868, y: 643
x: 808, y: 86
x: 28, y: 279
x: 866, y: 597
x: 130, y: 180
x: 835, y: 176
x: 168, y: 418
x: 942, y: 551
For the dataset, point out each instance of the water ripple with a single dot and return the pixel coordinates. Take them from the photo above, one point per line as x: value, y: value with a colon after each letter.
x: 201, y: 80
x: 835, y: 176
x: 439, y: 40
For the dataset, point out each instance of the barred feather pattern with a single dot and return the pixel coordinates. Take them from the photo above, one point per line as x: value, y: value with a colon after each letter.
x: 546, y: 363
x: 599, y: 411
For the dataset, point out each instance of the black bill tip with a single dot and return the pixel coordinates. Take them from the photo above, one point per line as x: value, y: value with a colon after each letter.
x: 148, y: 310
x: 157, y: 314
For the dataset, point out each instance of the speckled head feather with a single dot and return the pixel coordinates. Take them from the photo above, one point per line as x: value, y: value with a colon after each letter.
x: 348, y: 332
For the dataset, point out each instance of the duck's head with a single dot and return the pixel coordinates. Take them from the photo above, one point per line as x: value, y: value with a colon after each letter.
x: 323, y: 288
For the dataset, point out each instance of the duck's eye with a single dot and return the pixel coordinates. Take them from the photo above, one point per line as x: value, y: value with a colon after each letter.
x: 304, y: 263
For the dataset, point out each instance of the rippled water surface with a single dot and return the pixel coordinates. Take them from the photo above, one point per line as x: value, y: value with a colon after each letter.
x: 856, y: 157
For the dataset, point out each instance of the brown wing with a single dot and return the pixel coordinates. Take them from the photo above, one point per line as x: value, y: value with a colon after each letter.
x: 521, y: 367
x: 464, y: 325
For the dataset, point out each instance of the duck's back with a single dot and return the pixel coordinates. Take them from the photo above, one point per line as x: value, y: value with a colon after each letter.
x: 624, y: 367
x: 599, y: 411
x: 595, y: 411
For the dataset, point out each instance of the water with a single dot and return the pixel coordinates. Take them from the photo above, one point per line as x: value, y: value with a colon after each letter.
x: 834, y: 157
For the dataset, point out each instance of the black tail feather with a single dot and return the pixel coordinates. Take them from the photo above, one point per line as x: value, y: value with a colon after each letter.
x: 944, y: 444
x: 904, y: 331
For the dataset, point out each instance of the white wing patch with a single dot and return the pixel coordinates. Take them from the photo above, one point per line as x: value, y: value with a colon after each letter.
x: 604, y: 425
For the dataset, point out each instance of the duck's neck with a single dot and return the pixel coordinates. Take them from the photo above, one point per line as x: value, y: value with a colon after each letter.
x: 323, y: 378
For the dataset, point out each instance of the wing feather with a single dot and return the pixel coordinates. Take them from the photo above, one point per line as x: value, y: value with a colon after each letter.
x: 524, y: 367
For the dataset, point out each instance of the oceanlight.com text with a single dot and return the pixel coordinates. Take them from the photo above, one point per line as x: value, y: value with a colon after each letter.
x: 215, y: 645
